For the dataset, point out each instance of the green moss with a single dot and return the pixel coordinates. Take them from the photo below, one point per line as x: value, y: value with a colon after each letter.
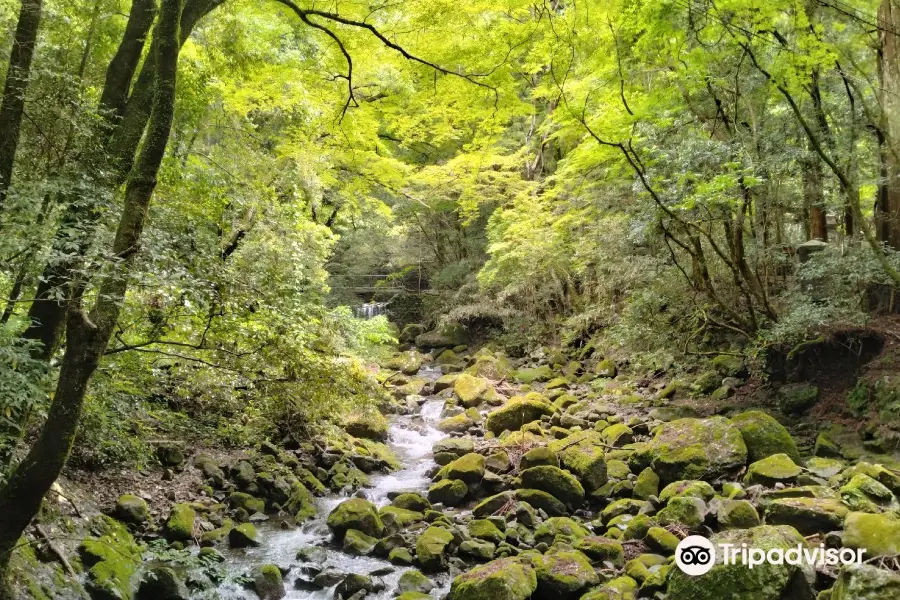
x: 683, y: 510
x: 563, y: 574
x: 243, y: 536
x: 582, y: 454
x: 518, y: 411
x: 432, y: 548
x: 697, y: 449
x: 764, y: 436
x: 601, y: 550
x: 807, y: 515
x: 541, y: 500
x: 560, y: 529
x: 503, y: 579
x: 460, y: 423
x: 778, y: 468
x: 485, y: 530
x: 662, y: 540
x: 355, y: 513
x: 541, y: 373
x: 132, y: 509
x: 737, y: 514
x: 449, y: 492
x: 468, y: 469
x: 180, y: 525
x: 877, y: 534
x: 694, y: 489
x: 111, y: 560
x: 646, y: 485
x: 471, y: 390
x: 553, y: 480
x: 358, y: 543
x: 606, y: 368
x: 301, y: 504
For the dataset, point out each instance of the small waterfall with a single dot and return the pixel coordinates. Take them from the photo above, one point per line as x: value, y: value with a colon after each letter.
x: 370, y: 310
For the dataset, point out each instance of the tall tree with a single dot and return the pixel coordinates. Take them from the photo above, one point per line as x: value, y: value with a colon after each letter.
x: 888, y: 207
x: 12, y: 108
x: 89, y: 332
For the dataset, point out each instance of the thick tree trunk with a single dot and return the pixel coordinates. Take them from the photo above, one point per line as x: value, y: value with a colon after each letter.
x: 814, y: 201
x: 12, y: 108
x: 888, y: 208
x: 128, y: 121
x: 89, y: 335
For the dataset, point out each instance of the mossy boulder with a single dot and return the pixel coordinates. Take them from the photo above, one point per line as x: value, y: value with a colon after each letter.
x: 132, y: 510
x: 796, y: 398
x: 407, y: 363
x: 472, y: 391
x: 516, y: 413
x: 540, y: 456
x: 460, y: 423
x: 602, y: 550
x: 582, y: 454
x: 606, y: 368
x: 620, y: 588
x: 736, y: 581
x: 555, y: 481
x: 111, y: 559
x: 248, y: 502
x: 468, y: 469
x: 729, y: 365
x: 358, y: 543
x: 662, y: 540
x: 560, y: 529
x: 355, y: 513
x: 491, y: 367
x: 400, y: 556
x: 778, y: 468
x: 877, y: 534
x: 503, y: 579
x: 484, y: 529
x: 243, y: 536
x: 541, y: 500
x: 180, y: 524
x: 301, y: 504
x: 456, y: 446
x: 534, y: 375
x: 737, y: 514
x: 410, y: 332
x: 617, y: 434
x: 267, y: 582
x: 447, y: 336
x: 161, y: 583
x: 414, y: 581
x: 864, y: 493
x: 683, y: 510
x: 397, y: 519
x: 697, y: 449
x: 563, y: 574
x: 371, y: 425
x: 449, y: 492
x: 866, y: 582
x: 807, y: 515
x: 432, y: 548
x: 764, y: 436
x: 694, y: 489
x: 646, y: 484
x: 412, y: 501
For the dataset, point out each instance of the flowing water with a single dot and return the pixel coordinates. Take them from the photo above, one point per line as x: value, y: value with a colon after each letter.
x: 411, y: 438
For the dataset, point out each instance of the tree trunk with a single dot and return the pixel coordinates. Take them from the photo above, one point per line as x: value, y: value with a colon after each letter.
x: 126, y: 122
x: 888, y: 208
x: 814, y: 200
x: 12, y: 108
x: 89, y: 335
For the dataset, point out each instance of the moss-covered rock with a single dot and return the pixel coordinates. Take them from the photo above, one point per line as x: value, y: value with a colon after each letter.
x: 449, y: 492
x: 683, y: 510
x: 694, y: 489
x: 736, y: 581
x: 407, y: 363
x: 729, y: 365
x: 180, y: 524
x: 491, y: 367
x: 371, y: 425
x: 606, y: 368
x: 355, y: 513
x: 460, y: 423
x: 468, y: 469
x: 662, y: 540
x: 267, y: 582
x: 400, y: 556
x: 541, y: 500
x: 807, y: 515
x: 553, y: 480
x: 161, y: 583
x: 459, y: 446
x: 246, y: 501
x: 877, y: 534
x: 646, y: 485
x: 697, y: 449
x: 516, y: 413
x: 563, y: 574
x: 484, y: 529
x: 866, y: 582
x: 472, y: 391
x: 503, y: 579
x: 111, y: 559
x: 358, y: 543
x: 737, y: 514
x: 412, y: 501
x: 778, y: 468
x: 432, y: 548
x: 764, y: 436
x: 414, y: 581
x: 540, y: 456
x: 620, y: 588
x: 602, y: 550
x: 796, y: 398
x: 863, y: 493
x: 447, y: 336
x: 582, y: 454
x: 243, y: 536
x: 560, y: 529
x: 132, y: 510
x: 536, y: 374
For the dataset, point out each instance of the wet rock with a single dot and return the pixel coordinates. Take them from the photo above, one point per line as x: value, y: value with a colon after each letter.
x: 400, y: 556
x: 132, y: 510
x: 468, y: 469
x: 398, y: 519
x: 796, y: 398
x: 602, y: 550
x: 503, y: 579
x: 447, y: 336
x: 457, y: 446
x: 247, y: 502
x: 432, y: 548
x: 407, y: 363
x: 414, y: 581
x: 449, y: 492
x: 541, y: 500
x: 355, y: 513
x: 312, y: 554
x: 243, y: 536
x: 267, y: 582
x: 563, y: 574
x: 555, y: 481
x: 763, y: 582
x: 371, y: 425
x: 697, y: 449
x: 863, y: 493
x: 764, y: 436
x: 728, y: 365
x: 352, y: 584
x: 358, y: 543
x: 683, y: 510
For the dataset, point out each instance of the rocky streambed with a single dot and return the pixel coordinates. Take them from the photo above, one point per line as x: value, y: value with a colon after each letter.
x: 541, y: 479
